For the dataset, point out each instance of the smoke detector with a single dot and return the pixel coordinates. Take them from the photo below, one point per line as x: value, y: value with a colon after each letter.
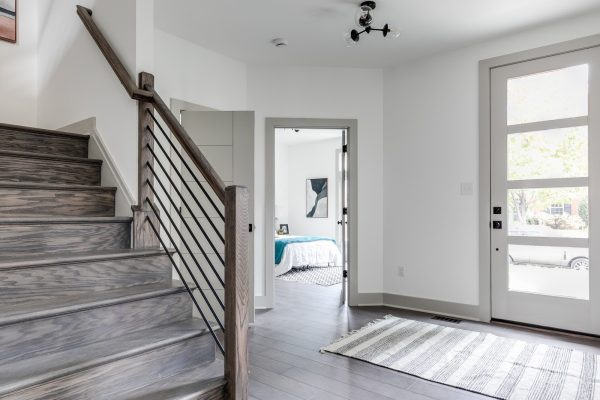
x: 279, y: 42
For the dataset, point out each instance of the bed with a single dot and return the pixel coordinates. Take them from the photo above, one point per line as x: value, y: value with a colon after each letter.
x: 305, y: 251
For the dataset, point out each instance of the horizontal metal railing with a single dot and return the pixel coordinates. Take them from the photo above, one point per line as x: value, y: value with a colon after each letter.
x: 169, y: 189
x: 159, y: 219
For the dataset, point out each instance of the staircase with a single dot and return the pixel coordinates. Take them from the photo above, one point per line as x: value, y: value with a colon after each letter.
x: 82, y: 314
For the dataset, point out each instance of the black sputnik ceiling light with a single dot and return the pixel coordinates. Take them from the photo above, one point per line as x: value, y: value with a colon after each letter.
x: 364, y: 20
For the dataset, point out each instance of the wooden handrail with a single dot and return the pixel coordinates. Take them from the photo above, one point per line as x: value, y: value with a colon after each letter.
x: 209, y: 173
x: 148, y: 94
x: 234, y: 198
x: 128, y: 83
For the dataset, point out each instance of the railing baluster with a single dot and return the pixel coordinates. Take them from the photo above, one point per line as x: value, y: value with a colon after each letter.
x: 185, y: 184
x: 149, y: 222
x: 174, y: 148
x: 209, y: 220
x: 192, y: 235
x: 174, y: 225
x: 206, y: 236
x: 187, y: 287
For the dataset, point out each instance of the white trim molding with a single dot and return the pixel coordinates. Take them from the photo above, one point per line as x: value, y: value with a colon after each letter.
x: 446, y: 308
x: 268, y: 300
x: 485, y: 70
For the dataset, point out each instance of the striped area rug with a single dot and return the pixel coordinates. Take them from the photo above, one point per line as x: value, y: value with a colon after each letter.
x: 323, y: 276
x: 479, y: 362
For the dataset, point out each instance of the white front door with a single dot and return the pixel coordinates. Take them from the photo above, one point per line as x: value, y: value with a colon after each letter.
x: 226, y: 138
x: 545, y: 127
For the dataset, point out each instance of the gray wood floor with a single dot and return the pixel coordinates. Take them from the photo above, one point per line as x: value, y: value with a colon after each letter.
x: 286, y: 364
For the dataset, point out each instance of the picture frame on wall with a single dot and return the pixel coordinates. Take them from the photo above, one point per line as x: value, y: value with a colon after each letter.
x: 317, y: 201
x: 284, y: 229
x: 8, y: 20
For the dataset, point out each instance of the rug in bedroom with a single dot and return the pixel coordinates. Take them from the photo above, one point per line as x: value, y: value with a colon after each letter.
x: 323, y: 276
x: 479, y: 362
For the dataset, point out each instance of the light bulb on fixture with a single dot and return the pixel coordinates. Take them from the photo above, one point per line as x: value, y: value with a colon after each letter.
x: 363, y: 17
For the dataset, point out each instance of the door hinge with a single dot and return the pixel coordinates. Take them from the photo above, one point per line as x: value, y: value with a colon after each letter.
x: 345, y: 148
x: 345, y: 211
x: 345, y: 274
x: 250, y: 228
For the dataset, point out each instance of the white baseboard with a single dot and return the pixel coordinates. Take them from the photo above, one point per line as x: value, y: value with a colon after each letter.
x: 261, y: 303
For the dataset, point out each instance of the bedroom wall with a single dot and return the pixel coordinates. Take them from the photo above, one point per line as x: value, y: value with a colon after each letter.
x: 281, y: 183
x: 312, y: 160
x: 304, y: 92
x: 18, y: 70
x: 430, y: 147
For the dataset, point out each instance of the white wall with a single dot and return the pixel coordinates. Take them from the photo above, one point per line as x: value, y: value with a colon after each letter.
x: 18, y: 70
x: 305, y: 161
x: 188, y: 72
x: 430, y: 147
x: 281, y: 183
x: 76, y: 82
x: 300, y: 92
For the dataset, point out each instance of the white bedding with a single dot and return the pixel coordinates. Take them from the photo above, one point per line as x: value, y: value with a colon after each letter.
x: 321, y: 253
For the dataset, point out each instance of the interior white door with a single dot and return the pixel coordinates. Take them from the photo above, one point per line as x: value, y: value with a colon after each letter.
x: 226, y: 138
x: 545, y: 155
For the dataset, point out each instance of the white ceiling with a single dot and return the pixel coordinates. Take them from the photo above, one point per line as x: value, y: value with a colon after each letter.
x: 242, y: 29
x: 290, y: 137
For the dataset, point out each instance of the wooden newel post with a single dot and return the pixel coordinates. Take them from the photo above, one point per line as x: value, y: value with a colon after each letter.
x: 143, y: 235
x: 236, y: 292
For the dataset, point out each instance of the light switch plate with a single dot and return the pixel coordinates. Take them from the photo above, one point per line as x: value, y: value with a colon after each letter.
x: 466, y: 189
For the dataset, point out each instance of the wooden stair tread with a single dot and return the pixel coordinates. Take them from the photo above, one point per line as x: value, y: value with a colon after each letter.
x: 31, y: 261
x: 50, y: 308
x: 42, y: 131
x: 52, y: 157
x: 54, y: 186
x: 190, y: 384
x: 36, y: 370
x: 62, y: 220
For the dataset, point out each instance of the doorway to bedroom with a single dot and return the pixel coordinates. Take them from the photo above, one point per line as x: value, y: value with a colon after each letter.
x: 309, y: 223
x: 310, y: 205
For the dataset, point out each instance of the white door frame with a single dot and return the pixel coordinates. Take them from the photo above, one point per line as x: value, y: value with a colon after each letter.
x: 338, y: 203
x: 352, y: 138
x: 485, y: 68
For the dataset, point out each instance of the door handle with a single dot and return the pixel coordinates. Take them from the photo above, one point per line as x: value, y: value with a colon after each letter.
x: 497, y: 224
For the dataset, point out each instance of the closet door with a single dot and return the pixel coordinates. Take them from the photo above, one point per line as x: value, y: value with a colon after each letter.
x: 226, y: 138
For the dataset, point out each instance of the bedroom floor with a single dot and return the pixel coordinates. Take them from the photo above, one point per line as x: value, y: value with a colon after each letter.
x: 285, y: 363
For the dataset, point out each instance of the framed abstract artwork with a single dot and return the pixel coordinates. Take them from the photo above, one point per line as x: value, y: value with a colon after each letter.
x: 316, y: 198
x: 8, y: 20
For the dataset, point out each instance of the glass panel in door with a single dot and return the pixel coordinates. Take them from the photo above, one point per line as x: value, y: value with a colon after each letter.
x: 541, y: 196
